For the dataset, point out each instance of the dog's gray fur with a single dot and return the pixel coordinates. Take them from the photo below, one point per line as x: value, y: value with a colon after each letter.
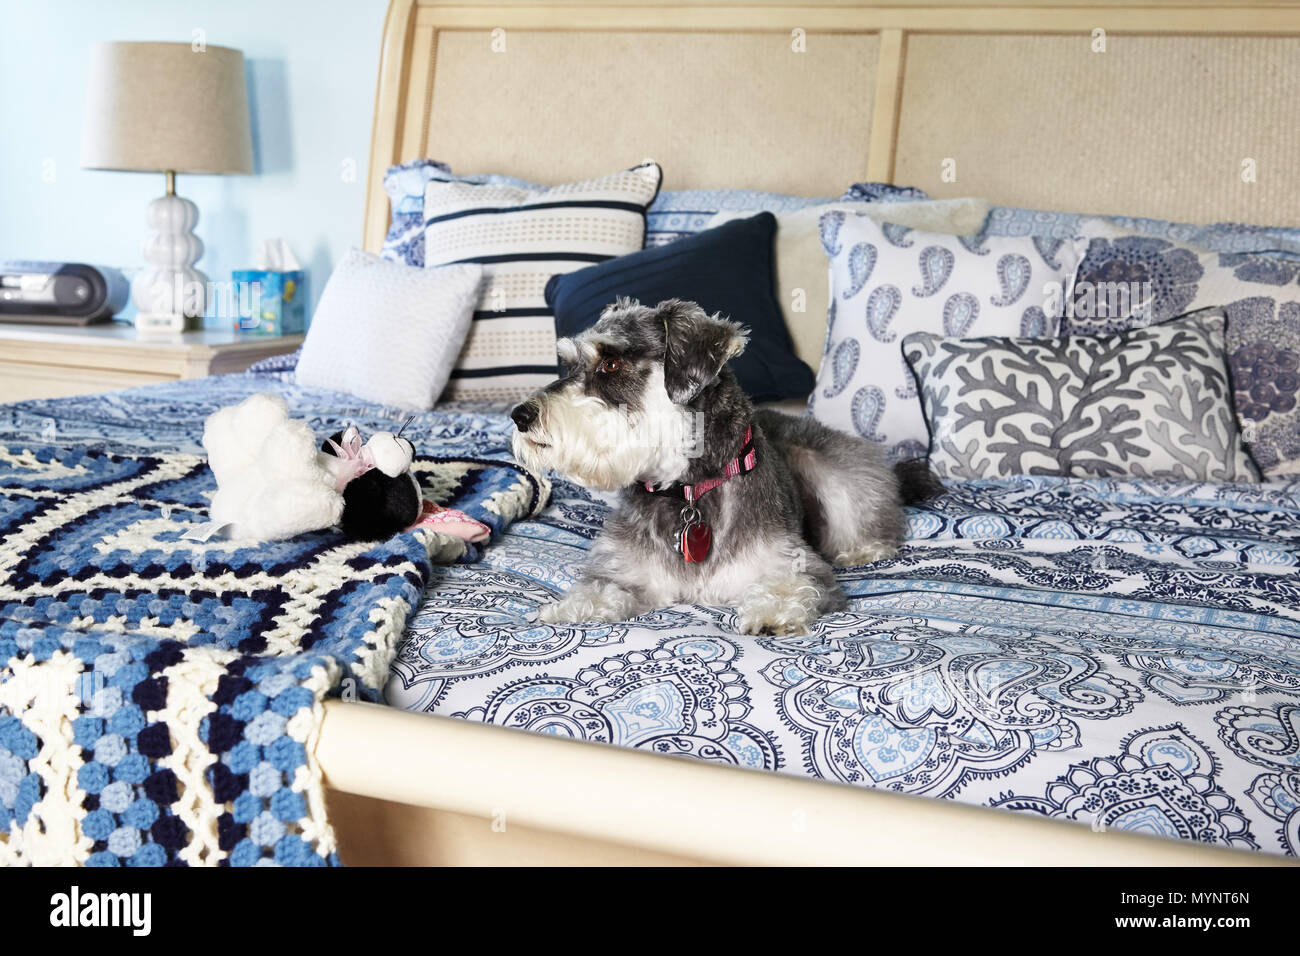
x: 673, y: 413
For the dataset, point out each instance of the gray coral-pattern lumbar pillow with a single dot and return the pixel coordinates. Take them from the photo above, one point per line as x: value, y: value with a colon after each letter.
x: 1151, y: 402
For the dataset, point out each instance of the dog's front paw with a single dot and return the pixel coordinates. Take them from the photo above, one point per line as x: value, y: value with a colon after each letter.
x: 774, y: 625
x: 780, y: 608
x: 556, y: 612
x: 590, y: 601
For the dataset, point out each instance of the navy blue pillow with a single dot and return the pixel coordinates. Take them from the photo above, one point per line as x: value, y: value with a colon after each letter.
x: 727, y: 270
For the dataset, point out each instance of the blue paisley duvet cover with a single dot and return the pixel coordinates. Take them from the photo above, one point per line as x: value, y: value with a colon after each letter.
x: 1122, y: 654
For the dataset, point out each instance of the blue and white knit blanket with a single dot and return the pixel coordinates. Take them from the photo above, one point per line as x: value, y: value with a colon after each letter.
x: 160, y: 698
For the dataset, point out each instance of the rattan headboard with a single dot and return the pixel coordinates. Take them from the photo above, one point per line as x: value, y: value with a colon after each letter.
x: 1179, y: 110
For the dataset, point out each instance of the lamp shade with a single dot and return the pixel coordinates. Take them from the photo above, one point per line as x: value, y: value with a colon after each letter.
x: 154, y: 107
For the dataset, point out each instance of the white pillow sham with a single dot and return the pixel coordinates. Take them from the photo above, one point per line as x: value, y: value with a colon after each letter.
x: 888, y: 281
x: 802, y: 275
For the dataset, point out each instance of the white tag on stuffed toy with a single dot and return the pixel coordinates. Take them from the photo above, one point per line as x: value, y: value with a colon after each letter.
x: 205, y: 532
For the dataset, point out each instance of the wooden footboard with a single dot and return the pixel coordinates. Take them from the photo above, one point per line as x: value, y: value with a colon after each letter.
x: 382, y: 833
x: 416, y: 789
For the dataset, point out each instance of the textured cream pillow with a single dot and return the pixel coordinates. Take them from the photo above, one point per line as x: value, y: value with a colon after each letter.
x: 803, y: 274
x: 523, y: 237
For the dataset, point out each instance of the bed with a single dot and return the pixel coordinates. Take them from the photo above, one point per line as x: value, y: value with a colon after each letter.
x: 1053, y: 670
x: 1101, y: 652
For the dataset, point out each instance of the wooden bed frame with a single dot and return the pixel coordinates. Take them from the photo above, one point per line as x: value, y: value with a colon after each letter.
x: 1178, y: 110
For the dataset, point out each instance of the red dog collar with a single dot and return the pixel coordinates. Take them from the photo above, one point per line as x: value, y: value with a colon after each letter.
x: 745, y: 461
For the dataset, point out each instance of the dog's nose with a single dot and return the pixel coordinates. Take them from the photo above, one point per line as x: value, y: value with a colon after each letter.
x: 524, y: 415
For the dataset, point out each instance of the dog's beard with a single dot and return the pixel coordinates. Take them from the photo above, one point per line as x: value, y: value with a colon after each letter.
x: 605, y: 447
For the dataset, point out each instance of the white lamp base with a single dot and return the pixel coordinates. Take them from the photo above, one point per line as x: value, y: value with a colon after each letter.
x: 171, y: 295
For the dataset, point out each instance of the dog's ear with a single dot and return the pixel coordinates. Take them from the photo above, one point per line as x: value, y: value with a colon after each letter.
x: 696, y: 346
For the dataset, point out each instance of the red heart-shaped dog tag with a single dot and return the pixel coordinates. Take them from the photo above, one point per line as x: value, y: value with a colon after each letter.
x: 696, y: 538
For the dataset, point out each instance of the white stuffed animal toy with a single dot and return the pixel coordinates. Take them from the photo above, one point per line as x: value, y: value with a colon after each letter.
x: 273, y: 482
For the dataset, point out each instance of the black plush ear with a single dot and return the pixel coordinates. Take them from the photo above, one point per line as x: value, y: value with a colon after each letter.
x: 377, y: 507
x: 696, y: 346
x: 326, y: 447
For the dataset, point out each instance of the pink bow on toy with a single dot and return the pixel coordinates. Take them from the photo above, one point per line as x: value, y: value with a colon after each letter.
x: 355, y: 457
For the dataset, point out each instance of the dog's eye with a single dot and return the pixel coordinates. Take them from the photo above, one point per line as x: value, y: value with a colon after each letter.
x: 609, y: 366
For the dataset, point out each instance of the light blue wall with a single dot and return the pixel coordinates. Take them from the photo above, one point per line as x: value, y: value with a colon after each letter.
x: 311, y: 67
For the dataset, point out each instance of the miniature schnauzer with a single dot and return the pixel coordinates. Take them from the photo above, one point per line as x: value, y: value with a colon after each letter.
x: 720, y: 504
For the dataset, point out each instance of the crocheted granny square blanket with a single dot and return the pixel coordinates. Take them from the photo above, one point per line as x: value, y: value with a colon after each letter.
x: 160, y: 697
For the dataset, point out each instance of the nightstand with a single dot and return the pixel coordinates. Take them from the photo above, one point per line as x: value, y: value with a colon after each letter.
x: 45, y: 361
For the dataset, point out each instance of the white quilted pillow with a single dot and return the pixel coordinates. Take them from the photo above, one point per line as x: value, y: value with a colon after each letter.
x: 389, y: 332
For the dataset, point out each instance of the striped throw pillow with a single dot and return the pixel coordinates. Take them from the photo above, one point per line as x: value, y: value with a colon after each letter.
x: 522, y: 237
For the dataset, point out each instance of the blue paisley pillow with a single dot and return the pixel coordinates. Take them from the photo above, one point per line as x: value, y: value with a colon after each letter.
x: 888, y: 281
x: 1216, y: 237
x: 675, y: 215
x: 1127, y: 281
x: 687, y: 212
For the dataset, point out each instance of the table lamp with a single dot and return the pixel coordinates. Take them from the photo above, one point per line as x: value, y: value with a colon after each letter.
x: 168, y: 108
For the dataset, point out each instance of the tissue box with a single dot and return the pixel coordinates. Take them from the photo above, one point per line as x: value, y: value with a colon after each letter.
x: 281, y: 309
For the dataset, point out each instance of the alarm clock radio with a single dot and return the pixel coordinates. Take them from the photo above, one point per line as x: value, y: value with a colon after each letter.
x: 60, y: 293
